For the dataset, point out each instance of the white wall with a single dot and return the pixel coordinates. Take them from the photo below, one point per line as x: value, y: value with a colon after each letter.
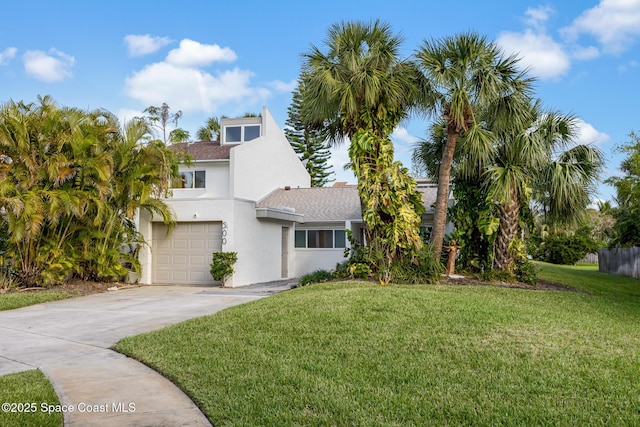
x: 265, y: 164
x: 216, y: 181
x: 309, y: 260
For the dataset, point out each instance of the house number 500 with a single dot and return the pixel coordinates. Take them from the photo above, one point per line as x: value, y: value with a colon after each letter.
x: 224, y: 233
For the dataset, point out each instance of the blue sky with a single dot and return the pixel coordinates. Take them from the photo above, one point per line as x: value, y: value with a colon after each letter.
x: 224, y: 58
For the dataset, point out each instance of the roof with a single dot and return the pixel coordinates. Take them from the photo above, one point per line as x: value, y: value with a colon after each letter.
x: 204, y: 150
x: 317, y: 203
x: 324, y: 204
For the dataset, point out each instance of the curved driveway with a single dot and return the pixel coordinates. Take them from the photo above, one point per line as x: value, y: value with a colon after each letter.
x: 69, y: 342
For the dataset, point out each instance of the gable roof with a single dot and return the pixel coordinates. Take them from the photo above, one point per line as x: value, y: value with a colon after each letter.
x: 204, y: 150
x: 324, y: 204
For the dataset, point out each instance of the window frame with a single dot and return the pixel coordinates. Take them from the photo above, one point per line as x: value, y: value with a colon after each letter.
x: 242, y: 132
x: 334, y: 232
x: 195, y: 180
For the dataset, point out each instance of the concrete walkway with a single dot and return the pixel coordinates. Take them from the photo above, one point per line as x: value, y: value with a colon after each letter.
x: 69, y: 342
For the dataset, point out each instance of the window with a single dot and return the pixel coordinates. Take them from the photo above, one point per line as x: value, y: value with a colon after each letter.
x: 251, y: 132
x: 190, y: 179
x: 241, y: 133
x: 325, y: 239
x: 233, y: 134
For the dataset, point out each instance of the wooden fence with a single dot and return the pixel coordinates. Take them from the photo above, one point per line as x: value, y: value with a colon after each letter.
x: 620, y: 261
x: 589, y: 259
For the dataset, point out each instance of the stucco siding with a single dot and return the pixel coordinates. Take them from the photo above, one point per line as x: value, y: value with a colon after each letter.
x: 264, y: 164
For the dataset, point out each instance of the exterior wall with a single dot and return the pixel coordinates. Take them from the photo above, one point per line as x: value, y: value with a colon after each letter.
x: 264, y: 164
x: 258, y: 243
x: 216, y: 181
x: 309, y: 260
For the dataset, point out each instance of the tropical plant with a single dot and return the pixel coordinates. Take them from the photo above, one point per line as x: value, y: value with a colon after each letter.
x: 222, y: 265
x: 627, y: 214
x: 160, y: 118
x: 72, y: 184
x: 210, y: 131
x: 309, y: 143
x: 466, y: 75
x: 360, y: 89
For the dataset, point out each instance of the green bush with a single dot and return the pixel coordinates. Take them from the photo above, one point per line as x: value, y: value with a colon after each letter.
x: 425, y: 268
x: 317, y: 276
x: 566, y: 249
x: 222, y: 265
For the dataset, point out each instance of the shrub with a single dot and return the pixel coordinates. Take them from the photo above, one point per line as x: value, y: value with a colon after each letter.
x: 566, y: 249
x: 425, y: 268
x: 222, y: 265
x: 317, y: 276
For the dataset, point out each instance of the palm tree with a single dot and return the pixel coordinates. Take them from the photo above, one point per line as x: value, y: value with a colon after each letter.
x: 210, y: 131
x: 529, y: 165
x: 360, y: 82
x: 466, y: 74
x: 360, y: 89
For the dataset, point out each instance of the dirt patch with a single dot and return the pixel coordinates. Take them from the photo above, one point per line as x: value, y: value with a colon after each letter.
x: 77, y: 287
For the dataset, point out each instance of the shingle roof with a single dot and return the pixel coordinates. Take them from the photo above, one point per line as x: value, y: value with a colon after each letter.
x: 205, y: 150
x: 317, y: 203
x: 328, y: 203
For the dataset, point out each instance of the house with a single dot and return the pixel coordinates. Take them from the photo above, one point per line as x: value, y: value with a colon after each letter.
x: 249, y: 193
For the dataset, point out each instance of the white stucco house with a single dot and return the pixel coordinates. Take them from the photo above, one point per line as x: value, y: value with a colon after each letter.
x: 249, y: 193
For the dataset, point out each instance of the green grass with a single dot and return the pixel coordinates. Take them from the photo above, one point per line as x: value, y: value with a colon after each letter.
x: 30, y: 389
x: 11, y: 301
x: 361, y: 354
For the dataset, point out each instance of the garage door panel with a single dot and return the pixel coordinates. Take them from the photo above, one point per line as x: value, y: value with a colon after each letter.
x: 184, y: 257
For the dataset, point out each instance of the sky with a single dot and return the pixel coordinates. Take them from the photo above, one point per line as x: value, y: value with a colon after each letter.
x: 213, y: 58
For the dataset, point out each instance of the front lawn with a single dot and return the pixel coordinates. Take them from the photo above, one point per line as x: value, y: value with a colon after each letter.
x: 26, y: 399
x: 361, y: 354
x: 10, y: 301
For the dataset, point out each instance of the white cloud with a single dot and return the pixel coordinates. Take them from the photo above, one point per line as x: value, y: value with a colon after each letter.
x: 7, y: 54
x: 281, y: 86
x: 629, y: 65
x: 144, y: 44
x: 194, y: 54
x: 584, y: 53
x: 191, y: 89
x: 401, y: 135
x: 587, y: 134
x: 614, y: 23
x: 182, y: 81
x: 49, y: 67
x: 536, y: 17
x: 539, y: 52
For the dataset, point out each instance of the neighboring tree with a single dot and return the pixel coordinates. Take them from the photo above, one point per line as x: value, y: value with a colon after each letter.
x: 72, y: 184
x: 210, y: 131
x: 466, y: 76
x: 160, y: 118
x: 178, y: 136
x: 627, y: 214
x: 360, y: 89
x: 309, y: 143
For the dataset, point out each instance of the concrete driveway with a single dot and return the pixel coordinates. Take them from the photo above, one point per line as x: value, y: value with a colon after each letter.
x: 69, y: 342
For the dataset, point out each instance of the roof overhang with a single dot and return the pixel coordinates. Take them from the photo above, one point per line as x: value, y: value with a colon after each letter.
x: 279, y: 215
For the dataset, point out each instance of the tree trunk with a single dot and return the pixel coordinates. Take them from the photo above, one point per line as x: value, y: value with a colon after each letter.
x: 507, y: 231
x: 442, y: 198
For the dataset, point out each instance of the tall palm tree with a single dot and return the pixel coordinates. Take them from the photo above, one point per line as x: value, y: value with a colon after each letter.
x: 360, y: 89
x: 530, y: 165
x: 466, y: 74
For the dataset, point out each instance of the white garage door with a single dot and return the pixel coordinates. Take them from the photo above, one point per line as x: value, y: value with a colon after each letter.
x: 184, y: 257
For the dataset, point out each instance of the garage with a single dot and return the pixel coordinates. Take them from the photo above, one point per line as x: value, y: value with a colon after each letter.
x: 184, y: 256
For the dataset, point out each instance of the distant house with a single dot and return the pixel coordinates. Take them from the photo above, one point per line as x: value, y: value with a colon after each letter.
x: 249, y: 193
